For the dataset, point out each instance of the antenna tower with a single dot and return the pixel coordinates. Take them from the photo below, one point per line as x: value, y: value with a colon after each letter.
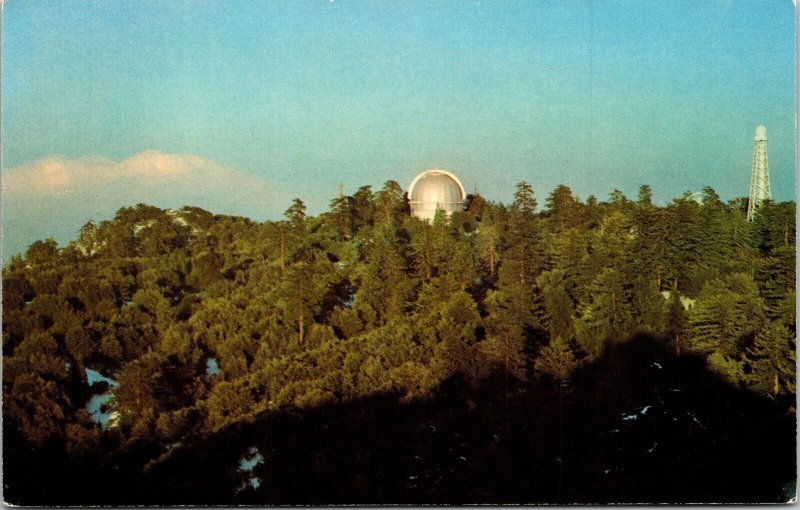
x: 760, y: 189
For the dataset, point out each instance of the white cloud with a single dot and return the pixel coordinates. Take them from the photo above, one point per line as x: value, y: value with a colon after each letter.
x: 55, y: 196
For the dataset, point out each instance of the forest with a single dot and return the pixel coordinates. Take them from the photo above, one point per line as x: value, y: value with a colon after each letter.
x: 578, y: 351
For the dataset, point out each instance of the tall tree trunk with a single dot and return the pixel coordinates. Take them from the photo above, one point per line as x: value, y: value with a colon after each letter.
x: 300, y: 327
x: 776, y: 387
x: 282, y: 250
x: 491, y: 260
x: 786, y: 233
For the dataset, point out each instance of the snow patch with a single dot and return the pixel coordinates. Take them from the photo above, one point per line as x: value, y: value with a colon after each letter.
x: 212, y: 367
x: 98, y: 408
x: 635, y: 416
x: 93, y: 376
x: 247, y: 463
x: 141, y: 226
x: 250, y: 459
x: 100, y: 403
x: 694, y: 418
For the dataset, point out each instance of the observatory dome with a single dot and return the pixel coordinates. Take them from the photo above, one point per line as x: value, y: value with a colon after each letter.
x: 434, y: 190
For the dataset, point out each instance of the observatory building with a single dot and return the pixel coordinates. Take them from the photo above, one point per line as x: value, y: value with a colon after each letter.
x: 435, y: 190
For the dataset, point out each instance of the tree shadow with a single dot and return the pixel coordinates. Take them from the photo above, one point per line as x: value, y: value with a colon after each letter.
x: 639, y: 425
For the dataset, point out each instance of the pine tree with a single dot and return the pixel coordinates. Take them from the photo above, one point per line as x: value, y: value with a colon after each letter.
x: 523, y: 257
x: 556, y: 359
x: 649, y: 248
x: 726, y: 313
x: 677, y: 326
x: 563, y: 211
x: 296, y: 215
x: 363, y: 208
x: 773, y: 359
x: 558, y: 305
x: 682, y: 225
x: 342, y: 215
x: 504, y: 344
x: 390, y: 203
x: 607, y: 317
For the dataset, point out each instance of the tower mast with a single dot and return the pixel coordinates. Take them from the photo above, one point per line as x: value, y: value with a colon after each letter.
x: 760, y: 189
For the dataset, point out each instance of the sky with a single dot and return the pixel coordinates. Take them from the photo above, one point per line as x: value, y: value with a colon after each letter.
x: 239, y: 106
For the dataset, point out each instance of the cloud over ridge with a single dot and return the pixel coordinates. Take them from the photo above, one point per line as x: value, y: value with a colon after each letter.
x: 55, y: 196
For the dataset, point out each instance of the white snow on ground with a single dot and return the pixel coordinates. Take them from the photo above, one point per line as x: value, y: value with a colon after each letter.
x: 95, y: 408
x: 212, y: 367
x: 98, y: 405
x: 693, y: 417
x: 635, y: 416
x: 93, y: 376
x: 249, y: 460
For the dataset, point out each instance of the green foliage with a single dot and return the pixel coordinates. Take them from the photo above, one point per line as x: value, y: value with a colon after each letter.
x: 563, y: 211
x: 556, y: 359
x: 772, y: 358
x: 509, y: 312
x: 296, y: 214
x: 35, y: 396
x: 229, y: 402
x: 559, y: 307
x: 365, y: 299
x: 727, y: 315
x: 608, y: 316
x: 523, y: 256
x: 42, y: 252
x: 677, y: 323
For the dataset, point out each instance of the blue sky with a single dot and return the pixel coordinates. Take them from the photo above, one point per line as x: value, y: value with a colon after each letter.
x: 303, y: 95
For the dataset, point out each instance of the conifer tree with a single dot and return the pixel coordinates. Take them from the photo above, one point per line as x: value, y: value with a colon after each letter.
x: 390, y: 203
x: 726, y: 314
x: 296, y: 215
x: 342, y: 215
x: 772, y: 357
x: 607, y: 317
x: 504, y: 344
x: 523, y: 256
x: 563, y: 211
x: 558, y: 305
x: 677, y: 325
x: 556, y: 359
x: 683, y: 237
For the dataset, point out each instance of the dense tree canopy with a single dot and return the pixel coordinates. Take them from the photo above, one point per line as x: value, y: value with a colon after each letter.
x: 365, y: 299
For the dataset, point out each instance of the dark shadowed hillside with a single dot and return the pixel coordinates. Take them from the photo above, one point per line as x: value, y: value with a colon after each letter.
x: 638, y: 425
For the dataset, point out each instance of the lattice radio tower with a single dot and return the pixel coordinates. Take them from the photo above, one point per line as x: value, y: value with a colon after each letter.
x: 759, y: 180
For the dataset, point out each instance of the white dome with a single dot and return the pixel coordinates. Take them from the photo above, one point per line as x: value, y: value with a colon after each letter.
x: 761, y: 133
x: 434, y: 190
